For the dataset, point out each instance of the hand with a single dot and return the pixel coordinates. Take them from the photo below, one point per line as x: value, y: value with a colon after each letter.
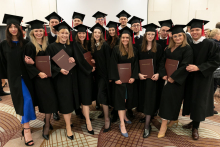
x: 93, y: 69
x: 155, y: 77
x: 110, y: 80
x: 142, y: 77
x: 93, y: 61
x: 42, y: 75
x: 165, y: 78
x: 170, y: 80
x: 71, y: 60
x: 28, y: 60
x: 192, y: 68
x: 65, y: 72
x: 118, y: 82
x: 131, y: 80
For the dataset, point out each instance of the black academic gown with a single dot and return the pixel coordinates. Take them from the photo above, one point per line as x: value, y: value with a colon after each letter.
x: 120, y: 89
x: 198, y: 101
x: 102, y: 63
x: 12, y: 67
x: 189, y: 38
x: 28, y: 39
x: 148, y: 87
x: 66, y: 86
x: 44, y: 88
x: 85, y: 75
x: 51, y: 39
x: 138, y: 41
x: 74, y: 35
x: 173, y: 93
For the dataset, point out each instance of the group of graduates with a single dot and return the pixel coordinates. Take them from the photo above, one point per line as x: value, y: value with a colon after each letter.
x: 110, y: 45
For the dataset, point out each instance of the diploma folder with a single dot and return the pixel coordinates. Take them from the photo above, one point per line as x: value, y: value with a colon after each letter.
x: 124, y: 71
x: 88, y: 57
x: 146, y: 67
x: 43, y: 64
x: 171, y: 66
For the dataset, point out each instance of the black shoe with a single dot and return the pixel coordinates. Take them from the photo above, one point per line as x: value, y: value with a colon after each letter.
x: 130, y: 113
x: 4, y: 93
x: 71, y: 125
x: 51, y: 127
x: 106, y: 130
x: 0, y: 99
x: 90, y: 132
x: 45, y: 136
x: 56, y: 116
x: 97, y: 107
x: 101, y: 115
x: 147, y: 132
x: 26, y: 143
x: 142, y: 120
x: 70, y: 137
x: 215, y: 112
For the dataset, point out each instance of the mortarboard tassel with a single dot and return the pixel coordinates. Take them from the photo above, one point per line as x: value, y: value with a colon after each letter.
x: 61, y: 20
x: 21, y: 27
x: 45, y: 31
x: 133, y: 41
x: 71, y: 37
x: 157, y: 37
x: 87, y: 35
x: 167, y: 40
x: 203, y: 31
x: 118, y: 31
x: 141, y: 26
x: 105, y: 35
x: 105, y: 21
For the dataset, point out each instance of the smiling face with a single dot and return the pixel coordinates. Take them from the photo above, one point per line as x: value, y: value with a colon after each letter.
x: 196, y: 33
x: 178, y: 38
x: 63, y: 35
x: 150, y: 36
x: 38, y: 33
x: 100, y: 21
x: 123, y: 21
x: 76, y: 22
x: 13, y: 30
x: 125, y: 39
x: 112, y: 31
x: 136, y: 27
x: 81, y: 36
x: 97, y: 34
x: 53, y: 22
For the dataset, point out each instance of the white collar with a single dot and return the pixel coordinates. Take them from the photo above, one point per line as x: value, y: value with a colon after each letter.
x: 52, y: 34
x: 137, y: 35
x: 25, y: 37
x: 199, y: 40
x: 162, y: 38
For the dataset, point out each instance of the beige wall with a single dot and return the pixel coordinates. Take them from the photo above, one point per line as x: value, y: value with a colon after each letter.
x: 182, y: 11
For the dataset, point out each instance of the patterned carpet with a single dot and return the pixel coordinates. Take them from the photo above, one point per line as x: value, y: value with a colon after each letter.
x: 10, y: 131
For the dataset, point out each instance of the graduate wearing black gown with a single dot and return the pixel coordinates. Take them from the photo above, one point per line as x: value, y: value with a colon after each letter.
x: 198, y: 101
x: 173, y: 92
x: 80, y: 18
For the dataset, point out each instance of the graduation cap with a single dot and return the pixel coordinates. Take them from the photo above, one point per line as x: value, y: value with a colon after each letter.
x: 83, y: 28
x: 177, y: 29
x: 98, y: 26
x: 99, y: 14
x: 37, y: 24
x: 151, y: 28
x: 135, y: 19
x: 198, y: 23
x: 23, y: 28
x: 12, y: 19
x: 112, y: 24
x: 123, y: 13
x: 167, y: 23
x: 127, y: 30
x: 53, y: 15
x: 78, y: 15
x: 64, y: 25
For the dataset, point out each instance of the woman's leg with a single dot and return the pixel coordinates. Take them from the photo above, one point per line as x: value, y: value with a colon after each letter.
x: 67, y: 118
x: 27, y: 133
x: 47, y: 123
x: 147, y: 121
x: 122, y: 114
x: 106, y: 115
x: 163, y: 127
x: 86, y: 114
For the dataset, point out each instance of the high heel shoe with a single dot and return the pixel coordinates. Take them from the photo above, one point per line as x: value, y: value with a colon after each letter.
x: 70, y: 137
x: 147, y: 132
x: 162, y: 135
x: 123, y: 134
x: 45, y: 136
x: 4, y: 85
x: 26, y: 143
x: 90, y: 132
x: 51, y: 127
x: 106, y: 130
x: 128, y: 122
x: 171, y: 123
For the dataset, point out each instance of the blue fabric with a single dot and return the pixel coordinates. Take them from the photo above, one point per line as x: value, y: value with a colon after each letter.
x: 28, y: 108
x: 15, y: 42
x: 126, y: 94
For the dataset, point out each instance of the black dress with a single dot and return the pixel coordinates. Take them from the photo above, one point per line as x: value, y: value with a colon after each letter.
x: 148, y: 87
x: 120, y: 90
x: 198, y: 100
x: 51, y: 39
x: 44, y: 88
x: 102, y: 63
x: 173, y: 93
x: 66, y: 86
x: 12, y: 67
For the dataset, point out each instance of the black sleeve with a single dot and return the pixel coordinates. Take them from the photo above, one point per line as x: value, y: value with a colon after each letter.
x: 3, y: 63
x: 114, y: 75
x: 159, y: 55
x: 162, y: 70
x: 134, y: 73
x: 107, y: 57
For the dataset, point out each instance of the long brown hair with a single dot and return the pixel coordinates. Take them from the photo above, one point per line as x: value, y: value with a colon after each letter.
x: 122, y: 50
x: 172, y: 43
x: 101, y: 41
x: 85, y: 42
x: 112, y: 40
x: 145, y: 43
x: 19, y: 35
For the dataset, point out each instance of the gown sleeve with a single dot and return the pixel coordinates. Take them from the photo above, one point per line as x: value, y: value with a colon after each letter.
x: 179, y: 76
x: 159, y: 55
x: 135, y: 69
x: 162, y: 70
x: 114, y: 65
x: 3, y: 63
x: 107, y: 57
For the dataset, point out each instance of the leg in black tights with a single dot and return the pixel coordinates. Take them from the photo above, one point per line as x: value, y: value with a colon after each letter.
x: 147, y: 121
x: 47, y: 123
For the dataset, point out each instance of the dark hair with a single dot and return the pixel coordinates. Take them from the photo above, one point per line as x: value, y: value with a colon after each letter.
x: 145, y: 43
x: 9, y: 35
x: 85, y: 42
x: 112, y: 40
x: 218, y: 25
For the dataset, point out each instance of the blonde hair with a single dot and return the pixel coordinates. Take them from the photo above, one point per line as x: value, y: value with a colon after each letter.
x: 172, y: 43
x: 36, y: 44
x: 68, y: 40
x: 122, y: 50
x: 214, y: 32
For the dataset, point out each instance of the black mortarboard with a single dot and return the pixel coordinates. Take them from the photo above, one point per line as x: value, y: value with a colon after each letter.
x: 98, y: 26
x: 150, y: 27
x: 177, y: 29
x: 197, y: 23
x: 123, y: 13
x: 127, y: 30
x: 81, y: 28
x: 167, y: 23
x: 78, y: 15
x: 62, y: 25
x: 53, y: 15
x: 135, y: 19
x: 99, y: 14
x: 112, y: 24
x: 23, y: 28
x: 12, y: 19
x: 36, y: 24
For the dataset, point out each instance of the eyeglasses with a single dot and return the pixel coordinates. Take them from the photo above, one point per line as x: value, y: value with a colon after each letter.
x: 164, y: 31
x: 177, y: 36
x: 100, y: 19
x: 136, y: 26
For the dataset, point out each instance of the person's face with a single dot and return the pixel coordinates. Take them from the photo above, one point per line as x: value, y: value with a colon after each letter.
x: 217, y: 36
x: 97, y: 34
x: 38, y: 33
x: 111, y: 31
x: 53, y: 22
x: 100, y: 21
x: 77, y: 22
x: 163, y: 31
x: 82, y: 36
x: 196, y: 33
x: 178, y: 38
x: 136, y: 27
x: 63, y: 35
x: 125, y: 39
x: 13, y: 30
x: 24, y: 32
x: 206, y: 33
x: 150, y: 36
x: 123, y: 21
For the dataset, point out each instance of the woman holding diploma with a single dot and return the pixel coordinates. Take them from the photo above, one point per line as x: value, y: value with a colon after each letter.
x: 173, y: 91
x: 152, y: 51
x: 65, y: 81
x: 124, y: 93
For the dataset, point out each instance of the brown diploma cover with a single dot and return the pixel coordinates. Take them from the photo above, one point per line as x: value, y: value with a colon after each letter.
x: 43, y: 64
x: 88, y: 58
x: 147, y: 67
x: 171, y: 66
x: 124, y: 71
